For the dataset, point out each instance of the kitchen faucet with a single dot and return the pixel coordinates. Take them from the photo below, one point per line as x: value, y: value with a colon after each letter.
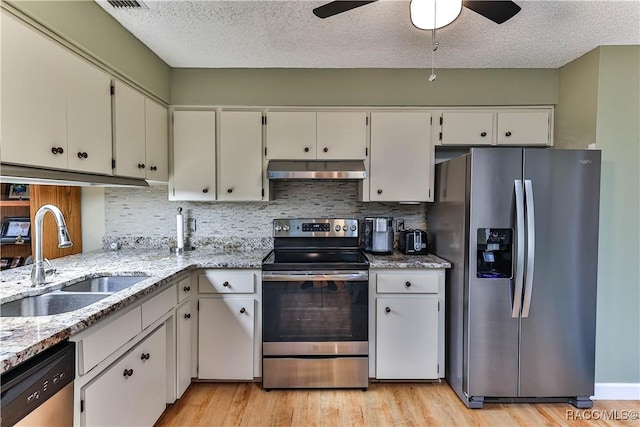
x: 38, y: 272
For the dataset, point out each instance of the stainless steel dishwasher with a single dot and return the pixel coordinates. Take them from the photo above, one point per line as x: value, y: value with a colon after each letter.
x: 39, y: 392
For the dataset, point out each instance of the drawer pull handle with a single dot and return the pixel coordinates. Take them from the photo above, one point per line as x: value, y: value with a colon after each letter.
x: 57, y: 150
x: 242, y: 310
x: 225, y: 284
x: 408, y: 284
x: 229, y: 190
x: 483, y: 134
x: 82, y: 155
x: 379, y: 191
x: 507, y: 134
x: 140, y: 165
x: 306, y: 149
x: 325, y: 149
x: 387, y: 310
x: 127, y: 373
x: 186, y: 288
x: 145, y: 356
x: 187, y: 316
x: 205, y: 190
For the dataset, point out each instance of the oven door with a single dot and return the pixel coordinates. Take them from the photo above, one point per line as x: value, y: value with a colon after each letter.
x: 315, y: 313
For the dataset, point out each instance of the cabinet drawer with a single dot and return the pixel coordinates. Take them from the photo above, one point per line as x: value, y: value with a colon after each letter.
x: 184, y: 289
x: 415, y: 283
x: 227, y: 281
x: 108, y: 339
x: 157, y: 306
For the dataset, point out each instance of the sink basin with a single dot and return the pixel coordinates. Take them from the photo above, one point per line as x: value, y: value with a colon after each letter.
x: 104, y: 284
x: 48, y: 304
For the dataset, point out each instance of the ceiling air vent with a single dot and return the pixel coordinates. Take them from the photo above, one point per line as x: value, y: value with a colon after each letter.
x: 127, y: 4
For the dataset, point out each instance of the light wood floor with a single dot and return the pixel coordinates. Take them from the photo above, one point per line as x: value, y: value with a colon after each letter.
x: 384, y: 404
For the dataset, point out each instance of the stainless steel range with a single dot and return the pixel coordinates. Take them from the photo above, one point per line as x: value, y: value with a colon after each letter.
x: 315, y: 306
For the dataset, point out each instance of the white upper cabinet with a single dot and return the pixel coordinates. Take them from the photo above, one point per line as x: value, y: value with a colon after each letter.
x: 527, y: 127
x: 129, y: 125
x: 240, y: 156
x: 341, y: 135
x: 156, y: 141
x: 193, y: 175
x: 56, y: 107
x: 401, y: 157
x: 467, y: 128
x: 306, y: 135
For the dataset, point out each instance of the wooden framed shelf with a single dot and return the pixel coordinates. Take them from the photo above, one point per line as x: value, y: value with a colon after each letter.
x: 14, y: 203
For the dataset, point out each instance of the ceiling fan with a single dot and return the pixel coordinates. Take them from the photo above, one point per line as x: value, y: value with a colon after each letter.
x: 498, y: 11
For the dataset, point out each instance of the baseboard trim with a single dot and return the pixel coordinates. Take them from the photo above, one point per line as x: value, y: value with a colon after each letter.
x: 617, y: 391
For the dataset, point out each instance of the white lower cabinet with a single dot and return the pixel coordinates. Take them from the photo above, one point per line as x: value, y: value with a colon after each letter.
x: 184, y: 323
x: 407, y: 337
x: 226, y: 338
x: 132, y: 391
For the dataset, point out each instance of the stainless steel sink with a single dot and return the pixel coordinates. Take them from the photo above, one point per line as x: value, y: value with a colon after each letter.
x: 50, y: 303
x: 108, y: 284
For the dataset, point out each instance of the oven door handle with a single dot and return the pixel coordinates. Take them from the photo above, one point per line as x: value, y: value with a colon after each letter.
x: 313, y: 276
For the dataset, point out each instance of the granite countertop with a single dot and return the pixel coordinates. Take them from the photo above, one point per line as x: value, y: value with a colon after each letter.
x: 23, y: 337
x: 399, y: 260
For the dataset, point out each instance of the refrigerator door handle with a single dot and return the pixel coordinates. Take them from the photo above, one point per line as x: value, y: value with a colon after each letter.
x: 517, y: 293
x: 531, y: 247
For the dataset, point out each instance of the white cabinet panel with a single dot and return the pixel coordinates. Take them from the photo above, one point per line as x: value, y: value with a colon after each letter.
x: 194, y: 156
x: 524, y: 128
x: 184, y: 320
x: 341, y: 135
x: 156, y: 141
x: 225, y: 338
x: 228, y: 281
x: 407, y: 337
x: 401, y: 282
x: 401, y: 157
x: 129, y: 128
x: 240, y: 156
x: 160, y: 304
x: 291, y: 135
x: 467, y: 128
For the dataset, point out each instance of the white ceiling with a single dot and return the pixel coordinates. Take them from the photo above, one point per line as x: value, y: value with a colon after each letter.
x: 273, y: 33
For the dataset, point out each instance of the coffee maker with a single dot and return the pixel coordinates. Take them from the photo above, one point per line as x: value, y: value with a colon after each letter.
x: 378, y: 235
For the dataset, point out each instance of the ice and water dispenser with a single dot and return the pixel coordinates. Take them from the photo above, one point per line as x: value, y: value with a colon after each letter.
x: 494, y: 259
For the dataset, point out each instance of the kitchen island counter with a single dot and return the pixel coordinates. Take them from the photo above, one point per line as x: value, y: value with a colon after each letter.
x: 23, y: 337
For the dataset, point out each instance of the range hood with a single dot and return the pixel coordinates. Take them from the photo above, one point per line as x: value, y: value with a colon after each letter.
x: 31, y: 175
x: 316, y: 169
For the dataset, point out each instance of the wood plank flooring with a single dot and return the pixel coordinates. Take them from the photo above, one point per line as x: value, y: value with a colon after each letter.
x: 384, y: 404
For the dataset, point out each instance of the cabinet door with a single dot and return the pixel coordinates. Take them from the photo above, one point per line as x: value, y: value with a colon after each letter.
x: 341, y: 135
x: 132, y: 392
x: 524, y: 128
x: 88, y: 117
x: 157, y: 141
x: 407, y: 337
x: 225, y: 338
x: 194, y: 156
x: 240, y: 156
x: 467, y: 128
x: 291, y: 135
x: 401, y: 157
x: 184, y: 323
x: 33, y: 97
x: 129, y: 119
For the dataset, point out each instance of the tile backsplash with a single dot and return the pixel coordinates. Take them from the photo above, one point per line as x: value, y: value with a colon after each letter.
x: 145, y: 217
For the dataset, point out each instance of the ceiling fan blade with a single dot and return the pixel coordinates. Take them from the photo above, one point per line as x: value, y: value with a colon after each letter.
x: 339, y: 6
x: 498, y: 11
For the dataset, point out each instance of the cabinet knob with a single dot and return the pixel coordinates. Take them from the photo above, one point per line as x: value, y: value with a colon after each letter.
x: 507, y: 134
x: 379, y: 191
x: 145, y: 356
x: 408, y: 284
x: 483, y: 134
x: 205, y: 190
x: 82, y: 155
x: 242, y: 310
x: 306, y: 149
x: 57, y: 150
x: 225, y: 284
x: 387, y: 310
x: 154, y: 168
x: 186, y: 288
x: 127, y: 373
x: 229, y: 190
x: 140, y: 165
x: 187, y: 316
x: 325, y: 149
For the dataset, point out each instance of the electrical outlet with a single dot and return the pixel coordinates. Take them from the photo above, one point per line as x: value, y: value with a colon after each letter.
x: 400, y: 225
x: 191, y: 225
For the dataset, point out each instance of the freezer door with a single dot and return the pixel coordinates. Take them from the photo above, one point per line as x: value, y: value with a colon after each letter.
x: 491, y: 331
x: 557, y: 353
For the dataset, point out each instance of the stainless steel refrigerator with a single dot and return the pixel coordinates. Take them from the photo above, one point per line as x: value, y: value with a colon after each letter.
x: 520, y: 227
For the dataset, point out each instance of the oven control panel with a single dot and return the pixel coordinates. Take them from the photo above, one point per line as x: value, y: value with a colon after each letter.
x: 321, y: 227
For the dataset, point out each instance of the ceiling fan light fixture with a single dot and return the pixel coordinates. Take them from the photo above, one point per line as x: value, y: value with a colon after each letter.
x: 431, y: 14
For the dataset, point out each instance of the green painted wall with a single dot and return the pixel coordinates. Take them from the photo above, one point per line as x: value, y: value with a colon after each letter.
x: 575, y: 114
x: 85, y: 24
x: 369, y: 87
x: 618, y: 136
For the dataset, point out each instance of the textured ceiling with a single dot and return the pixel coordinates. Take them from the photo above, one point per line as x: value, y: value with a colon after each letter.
x: 271, y: 33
